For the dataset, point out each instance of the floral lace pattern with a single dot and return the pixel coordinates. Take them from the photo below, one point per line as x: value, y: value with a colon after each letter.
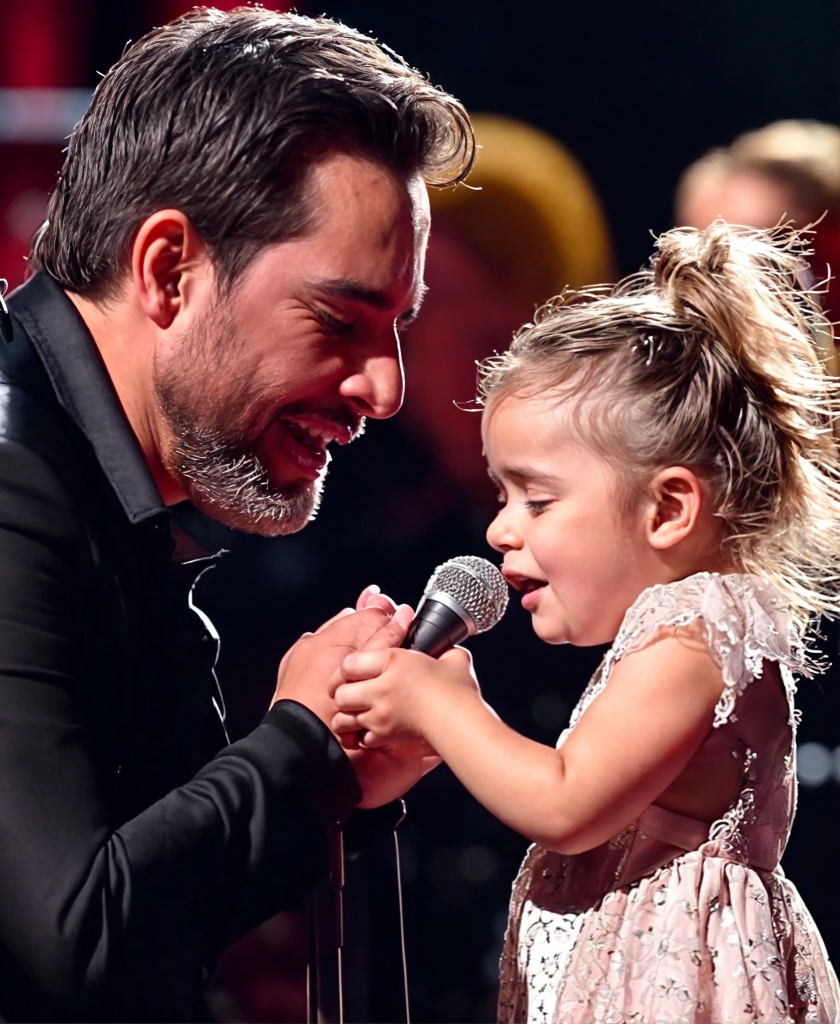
x: 674, y: 920
x: 744, y: 622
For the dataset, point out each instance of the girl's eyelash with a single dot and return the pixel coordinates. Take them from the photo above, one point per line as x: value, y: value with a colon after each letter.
x: 537, y: 506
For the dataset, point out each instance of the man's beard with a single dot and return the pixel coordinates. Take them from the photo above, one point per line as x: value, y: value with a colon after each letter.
x: 227, y: 481
x: 212, y: 455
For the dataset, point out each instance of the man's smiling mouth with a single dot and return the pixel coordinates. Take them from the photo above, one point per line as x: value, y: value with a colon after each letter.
x: 314, y: 435
x: 304, y: 438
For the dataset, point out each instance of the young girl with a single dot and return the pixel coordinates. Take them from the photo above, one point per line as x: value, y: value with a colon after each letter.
x: 670, y: 484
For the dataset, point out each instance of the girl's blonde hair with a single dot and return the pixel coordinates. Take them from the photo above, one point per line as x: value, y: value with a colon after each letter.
x: 706, y: 360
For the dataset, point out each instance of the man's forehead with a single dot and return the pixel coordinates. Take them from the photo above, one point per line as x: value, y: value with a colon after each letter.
x: 344, y: 177
x: 367, y: 235
x: 361, y: 192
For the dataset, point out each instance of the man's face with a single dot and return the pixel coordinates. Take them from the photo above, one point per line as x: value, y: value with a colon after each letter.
x: 298, y: 355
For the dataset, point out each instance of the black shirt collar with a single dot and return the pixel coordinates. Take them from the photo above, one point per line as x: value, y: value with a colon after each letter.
x: 85, y: 391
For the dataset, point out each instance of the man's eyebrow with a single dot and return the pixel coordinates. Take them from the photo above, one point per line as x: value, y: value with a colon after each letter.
x: 355, y: 291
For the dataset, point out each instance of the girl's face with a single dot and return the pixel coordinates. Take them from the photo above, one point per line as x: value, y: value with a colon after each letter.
x: 578, y: 565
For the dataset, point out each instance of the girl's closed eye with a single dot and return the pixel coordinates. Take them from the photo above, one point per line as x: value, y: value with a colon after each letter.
x: 535, y: 507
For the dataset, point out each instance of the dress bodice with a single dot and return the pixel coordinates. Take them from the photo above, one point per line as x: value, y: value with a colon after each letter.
x: 745, y: 624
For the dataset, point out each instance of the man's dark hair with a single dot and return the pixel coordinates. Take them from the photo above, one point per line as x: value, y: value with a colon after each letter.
x: 221, y: 116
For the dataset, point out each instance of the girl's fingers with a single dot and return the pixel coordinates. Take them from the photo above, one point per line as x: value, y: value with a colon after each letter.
x: 372, y: 741
x: 350, y: 741
x: 344, y: 722
x: 352, y: 698
x: 457, y: 656
x: 364, y: 664
x: 429, y: 762
x: 427, y: 748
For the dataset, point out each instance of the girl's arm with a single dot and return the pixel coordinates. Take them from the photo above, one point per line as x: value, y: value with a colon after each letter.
x: 633, y: 741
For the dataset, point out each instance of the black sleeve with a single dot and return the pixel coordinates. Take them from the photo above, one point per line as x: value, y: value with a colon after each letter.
x: 104, y: 924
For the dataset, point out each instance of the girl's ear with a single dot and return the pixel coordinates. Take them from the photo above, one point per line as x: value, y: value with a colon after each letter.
x: 677, y: 501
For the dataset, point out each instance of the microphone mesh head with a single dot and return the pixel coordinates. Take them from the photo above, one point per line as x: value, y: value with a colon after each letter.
x: 477, y: 586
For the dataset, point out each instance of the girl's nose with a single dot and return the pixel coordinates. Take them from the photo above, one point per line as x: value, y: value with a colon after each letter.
x: 501, y: 533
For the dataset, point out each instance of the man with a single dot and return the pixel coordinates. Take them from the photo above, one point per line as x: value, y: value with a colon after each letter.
x: 236, y: 238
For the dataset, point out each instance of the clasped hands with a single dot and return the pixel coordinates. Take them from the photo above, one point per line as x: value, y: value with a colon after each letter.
x: 353, y: 675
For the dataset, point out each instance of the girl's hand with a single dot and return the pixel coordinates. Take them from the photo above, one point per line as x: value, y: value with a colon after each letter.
x: 309, y: 671
x: 389, y: 693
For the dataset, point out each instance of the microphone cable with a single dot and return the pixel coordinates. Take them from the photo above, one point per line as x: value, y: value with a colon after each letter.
x: 401, y: 913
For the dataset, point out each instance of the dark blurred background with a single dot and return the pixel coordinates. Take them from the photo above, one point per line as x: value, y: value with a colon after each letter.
x: 632, y: 94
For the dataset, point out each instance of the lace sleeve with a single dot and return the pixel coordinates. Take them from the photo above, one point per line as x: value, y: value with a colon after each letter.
x: 744, y: 621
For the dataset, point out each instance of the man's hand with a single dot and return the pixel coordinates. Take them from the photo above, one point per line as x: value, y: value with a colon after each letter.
x: 389, y: 771
x: 309, y: 671
x: 392, y: 769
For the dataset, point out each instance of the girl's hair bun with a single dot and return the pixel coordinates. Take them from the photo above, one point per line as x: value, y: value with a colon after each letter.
x: 749, y: 289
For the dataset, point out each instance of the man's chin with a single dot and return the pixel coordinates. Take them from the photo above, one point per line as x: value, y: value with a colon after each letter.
x: 273, y: 516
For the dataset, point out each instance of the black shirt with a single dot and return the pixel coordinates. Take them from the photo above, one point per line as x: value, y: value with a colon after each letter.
x: 134, y: 843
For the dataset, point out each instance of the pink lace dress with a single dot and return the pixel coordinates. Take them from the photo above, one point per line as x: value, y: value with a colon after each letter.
x: 674, y: 920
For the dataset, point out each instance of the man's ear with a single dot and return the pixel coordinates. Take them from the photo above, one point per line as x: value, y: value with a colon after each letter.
x: 169, y: 264
x: 678, y: 499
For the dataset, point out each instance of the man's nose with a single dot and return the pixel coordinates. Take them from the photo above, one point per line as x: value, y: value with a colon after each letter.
x: 376, y: 385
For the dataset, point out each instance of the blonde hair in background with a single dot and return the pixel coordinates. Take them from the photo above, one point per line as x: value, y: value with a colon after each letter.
x: 706, y: 360
x: 810, y: 147
x: 802, y: 156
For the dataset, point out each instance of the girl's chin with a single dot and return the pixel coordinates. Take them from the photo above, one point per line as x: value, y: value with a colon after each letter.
x: 550, y: 633
x: 564, y: 633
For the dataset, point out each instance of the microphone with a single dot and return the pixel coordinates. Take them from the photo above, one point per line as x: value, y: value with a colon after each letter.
x: 464, y: 596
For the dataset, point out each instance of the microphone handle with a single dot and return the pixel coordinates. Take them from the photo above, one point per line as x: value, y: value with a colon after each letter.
x: 435, y: 629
